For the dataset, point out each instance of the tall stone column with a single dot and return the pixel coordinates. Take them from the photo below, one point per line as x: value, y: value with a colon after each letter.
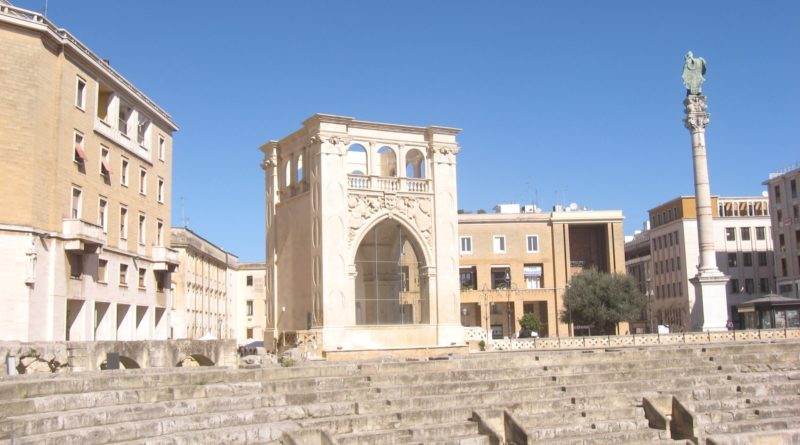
x: 709, y: 311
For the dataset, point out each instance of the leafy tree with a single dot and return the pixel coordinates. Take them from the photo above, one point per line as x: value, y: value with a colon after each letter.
x: 481, y: 212
x: 530, y: 323
x: 601, y: 299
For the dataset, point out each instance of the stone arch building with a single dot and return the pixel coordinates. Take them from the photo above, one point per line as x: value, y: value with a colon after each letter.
x: 362, y: 231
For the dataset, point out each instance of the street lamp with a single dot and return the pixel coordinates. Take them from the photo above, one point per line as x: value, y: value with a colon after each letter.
x: 485, y: 296
x: 508, y: 301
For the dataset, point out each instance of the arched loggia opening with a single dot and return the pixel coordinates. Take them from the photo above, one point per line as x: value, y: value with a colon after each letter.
x: 415, y: 164
x: 391, y: 286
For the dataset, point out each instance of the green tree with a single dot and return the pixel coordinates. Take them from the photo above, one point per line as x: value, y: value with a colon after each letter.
x: 601, y: 299
x: 530, y: 322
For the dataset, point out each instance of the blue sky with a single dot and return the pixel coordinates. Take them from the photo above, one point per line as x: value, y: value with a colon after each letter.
x: 563, y: 101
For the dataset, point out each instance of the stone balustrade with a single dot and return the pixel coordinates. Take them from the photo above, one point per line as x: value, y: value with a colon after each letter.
x: 388, y: 184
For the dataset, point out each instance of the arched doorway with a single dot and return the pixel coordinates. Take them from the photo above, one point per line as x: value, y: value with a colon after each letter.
x: 391, y: 286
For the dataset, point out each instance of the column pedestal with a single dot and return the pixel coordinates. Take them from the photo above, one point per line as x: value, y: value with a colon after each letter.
x: 710, y: 311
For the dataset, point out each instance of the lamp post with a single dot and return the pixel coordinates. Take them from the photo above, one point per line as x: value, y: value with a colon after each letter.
x: 508, y: 301
x: 485, y: 293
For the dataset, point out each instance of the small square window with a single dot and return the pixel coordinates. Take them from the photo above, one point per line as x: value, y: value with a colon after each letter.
x: 249, y: 280
x: 499, y: 244
x: 466, y: 244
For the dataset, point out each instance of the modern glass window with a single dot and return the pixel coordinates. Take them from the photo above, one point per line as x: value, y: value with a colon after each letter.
x: 533, y: 243
x: 533, y: 274
x: 499, y: 244
x: 745, y: 231
x: 761, y: 233
x: 730, y: 233
x: 747, y: 259
x: 466, y: 244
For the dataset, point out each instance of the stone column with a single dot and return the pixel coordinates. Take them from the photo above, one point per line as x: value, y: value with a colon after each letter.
x: 710, y: 309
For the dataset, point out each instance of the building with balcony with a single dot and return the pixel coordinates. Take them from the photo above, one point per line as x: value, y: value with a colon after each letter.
x: 362, y: 235
x: 743, y: 242
x: 204, y: 297
x: 85, y: 195
x: 514, y: 262
x: 785, y: 204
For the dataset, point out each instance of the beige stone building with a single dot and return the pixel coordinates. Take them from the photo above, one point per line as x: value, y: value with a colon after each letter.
x: 85, y: 194
x: 251, y: 302
x: 783, y: 198
x: 362, y: 235
x: 743, y: 243
x: 639, y: 265
x: 204, y: 288
x: 514, y: 262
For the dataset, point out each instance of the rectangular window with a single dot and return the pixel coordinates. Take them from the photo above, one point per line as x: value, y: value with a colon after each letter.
x: 142, y: 235
x: 102, y: 265
x: 777, y: 189
x: 80, y: 94
x: 749, y: 285
x: 763, y: 285
x: 761, y: 233
x: 747, y: 259
x: 78, y: 153
x: 123, y: 274
x: 249, y: 333
x: 122, y: 121
x: 75, y: 264
x: 161, y: 280
x: 159, y: 233
x: 779, y: 214
x: 75, y: 206
x: 123, y: 174
x: 745, y: 231
x: 781, y: 240
x: 142, y: 276
x: 469, y: 278
x: 102, y: 215
x: 105, y: 165
x: 762, y: 258
x: 730, y: 233
x: 533, y: 274
x: 142, y: 128
x: 499, y: 243
x: 533, y: 243
x: 500, y: 277
x: 162, y: 148
x: 793, y: 188
x: 735, y: 289
x: 732, y: 260
x: 142, y: 181
x: 466, y: 244
x: 678, y: 263
x: 160, y: 191
x: 249, y: 280
x: 123, y: 222
x: 249, y: 308
x: 784, y: 271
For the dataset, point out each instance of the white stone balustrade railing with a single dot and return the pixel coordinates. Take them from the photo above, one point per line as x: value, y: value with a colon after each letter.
x: 113, y: 133
x: 388, y: 184
x: 164, y: 257
x: 606, y: 341
x: 76, y: 229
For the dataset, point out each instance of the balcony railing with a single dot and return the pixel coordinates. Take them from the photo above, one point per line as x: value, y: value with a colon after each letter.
x: 81, y: 235
x: 113, y: 133
x: 387, y: 184
x: 164, y: 258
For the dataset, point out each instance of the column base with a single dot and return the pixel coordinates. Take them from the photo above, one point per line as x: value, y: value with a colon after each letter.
x: 710, y: 311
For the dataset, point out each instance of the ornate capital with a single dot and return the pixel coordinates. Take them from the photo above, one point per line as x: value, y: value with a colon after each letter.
x: 336, y: 145
x: 696, y: 115
x: 445, y: 153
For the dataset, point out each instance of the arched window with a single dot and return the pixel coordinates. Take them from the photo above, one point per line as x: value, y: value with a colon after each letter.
x: 299, y: 176
x: 357, y: 160
x: 415, y: 164
x: 388, y: 161
x: 390, y: 286
x: 287, y: 176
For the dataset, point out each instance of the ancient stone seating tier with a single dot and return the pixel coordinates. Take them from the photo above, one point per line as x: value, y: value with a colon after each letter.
x: 711, y: 394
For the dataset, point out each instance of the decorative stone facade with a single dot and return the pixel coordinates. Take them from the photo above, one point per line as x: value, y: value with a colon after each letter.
x: 362, y: 234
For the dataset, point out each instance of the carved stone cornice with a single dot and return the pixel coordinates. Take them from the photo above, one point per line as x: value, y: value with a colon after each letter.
x: 445, y: 153
x: 696, y: 116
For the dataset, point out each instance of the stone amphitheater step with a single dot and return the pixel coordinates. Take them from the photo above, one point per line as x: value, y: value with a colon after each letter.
x: 263, y: 434
x: 749, y: 426
x: 569, y: 431
x: 577, y: 416
x: 787, y: 437
x: 457, y: 432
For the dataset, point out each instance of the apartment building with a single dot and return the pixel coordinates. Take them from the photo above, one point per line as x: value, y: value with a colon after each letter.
x: 639, y: 265
x: 85, y: 195
x: 251, y: 302
x: 204, y: 288
x: 518, y: 261
x: 743, y: 243
x: 783, y: 199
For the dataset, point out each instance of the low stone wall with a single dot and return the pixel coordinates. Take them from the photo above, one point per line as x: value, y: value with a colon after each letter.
x: 30, y: 357
x: 607, y: 341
